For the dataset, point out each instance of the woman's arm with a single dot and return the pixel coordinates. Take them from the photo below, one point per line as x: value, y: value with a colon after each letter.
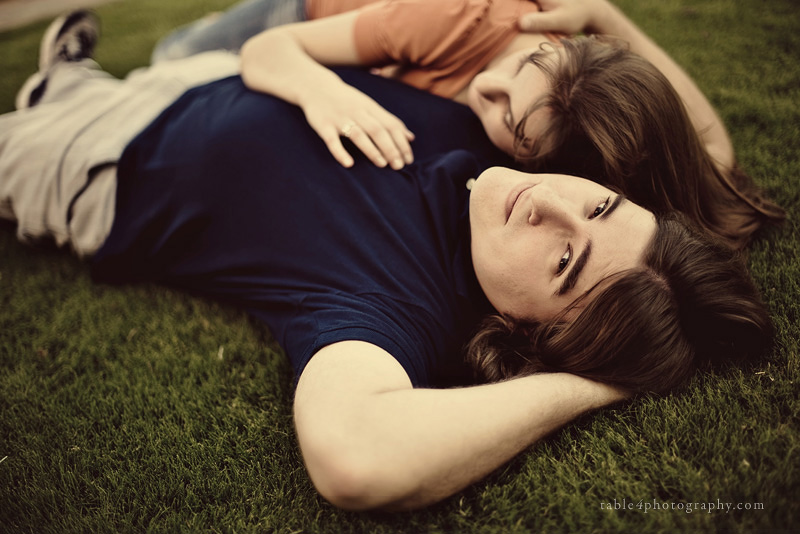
x: 370, y: 440
x: 602, y: 17
x: 290, y: 61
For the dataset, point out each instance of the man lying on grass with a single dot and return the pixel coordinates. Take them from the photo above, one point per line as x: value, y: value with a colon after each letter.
x: 373, y: 280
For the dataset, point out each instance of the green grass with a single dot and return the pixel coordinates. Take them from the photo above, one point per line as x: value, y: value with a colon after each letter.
x: 127, y: 409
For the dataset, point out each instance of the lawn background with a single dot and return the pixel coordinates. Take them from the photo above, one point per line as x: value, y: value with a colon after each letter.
x: 128, y: 409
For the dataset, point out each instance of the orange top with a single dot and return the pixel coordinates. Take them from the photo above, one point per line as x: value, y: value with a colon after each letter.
x: 316, y: 9
x: 451, y: 41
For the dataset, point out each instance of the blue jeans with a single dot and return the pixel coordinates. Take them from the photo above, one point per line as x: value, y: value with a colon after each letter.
x: 230, y: 30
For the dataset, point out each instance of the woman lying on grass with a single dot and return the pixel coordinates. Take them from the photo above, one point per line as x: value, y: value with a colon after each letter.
x: 373, y: 280
x: 618, y: 111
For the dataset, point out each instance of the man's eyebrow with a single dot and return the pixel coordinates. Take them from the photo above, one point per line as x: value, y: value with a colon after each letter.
x: 580, y: 263
x: 618, y: 201
x: 572, y: 277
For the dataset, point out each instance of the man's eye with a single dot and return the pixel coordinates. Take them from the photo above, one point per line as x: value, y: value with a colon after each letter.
x: 600, y: 208
x: 564, y: 261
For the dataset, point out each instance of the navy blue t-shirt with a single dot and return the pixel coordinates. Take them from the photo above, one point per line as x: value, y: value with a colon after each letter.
x: 230, y: 194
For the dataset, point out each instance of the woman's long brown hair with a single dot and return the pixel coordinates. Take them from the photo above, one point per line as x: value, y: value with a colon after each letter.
x: 616, y: 119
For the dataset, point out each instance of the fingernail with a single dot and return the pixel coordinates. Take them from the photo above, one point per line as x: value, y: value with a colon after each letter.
x: 382, y: 162
x: 397, y: 164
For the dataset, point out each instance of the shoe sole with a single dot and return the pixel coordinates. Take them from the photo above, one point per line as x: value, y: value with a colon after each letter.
x: 51, y: 50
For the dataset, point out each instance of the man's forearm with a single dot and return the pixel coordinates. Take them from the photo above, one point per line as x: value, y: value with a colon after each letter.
x: 455, y: 437
x: 395, y: 447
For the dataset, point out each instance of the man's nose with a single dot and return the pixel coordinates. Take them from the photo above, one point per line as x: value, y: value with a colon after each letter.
x: 548, y: 207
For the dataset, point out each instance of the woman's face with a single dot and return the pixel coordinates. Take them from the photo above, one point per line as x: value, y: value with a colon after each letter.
x: 502, y: 94
x: 539, y: 241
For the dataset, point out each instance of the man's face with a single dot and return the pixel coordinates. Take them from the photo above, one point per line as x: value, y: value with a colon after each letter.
x: 539, y: 241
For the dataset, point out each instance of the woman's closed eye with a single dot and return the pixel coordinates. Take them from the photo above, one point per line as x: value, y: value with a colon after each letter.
x: 508, y: 120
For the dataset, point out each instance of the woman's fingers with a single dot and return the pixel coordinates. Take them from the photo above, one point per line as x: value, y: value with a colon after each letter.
x: 331, y: 137
x: 346, y: 112
x: 359, y: 137
x: 383, y: 142
x: 381, y: 135
x: 402, y: 137
x: 349, y: 114
x: 394, y: 140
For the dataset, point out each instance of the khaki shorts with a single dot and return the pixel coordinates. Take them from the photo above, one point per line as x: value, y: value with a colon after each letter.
x: 58, y: 159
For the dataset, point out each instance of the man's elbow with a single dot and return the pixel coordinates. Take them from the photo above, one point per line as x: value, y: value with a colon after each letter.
x: 356, y: 482
x: 345, y: 481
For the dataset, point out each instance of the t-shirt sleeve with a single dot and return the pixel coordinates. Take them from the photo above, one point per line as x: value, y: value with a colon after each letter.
x: 426, y: 348
x: 382, y: 30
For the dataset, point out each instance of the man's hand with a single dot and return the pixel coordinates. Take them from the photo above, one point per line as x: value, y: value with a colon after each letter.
x: 344, y: 111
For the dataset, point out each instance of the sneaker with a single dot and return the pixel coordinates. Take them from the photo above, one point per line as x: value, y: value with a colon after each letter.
x: 71, y: 37
x: 31, y: 92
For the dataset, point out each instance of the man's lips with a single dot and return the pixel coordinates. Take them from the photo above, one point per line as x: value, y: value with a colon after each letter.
x: 513, y: 197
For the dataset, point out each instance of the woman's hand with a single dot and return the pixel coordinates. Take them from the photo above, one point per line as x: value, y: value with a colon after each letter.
x: 344, y: 111
x: 565, y: 16
x: 290, y: 62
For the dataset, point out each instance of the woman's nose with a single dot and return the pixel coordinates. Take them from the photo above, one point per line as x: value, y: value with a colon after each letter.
x: 493, y: 86
x: 548, y: 207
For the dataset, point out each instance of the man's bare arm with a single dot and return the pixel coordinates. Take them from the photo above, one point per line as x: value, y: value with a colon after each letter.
x: 371, y: 441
